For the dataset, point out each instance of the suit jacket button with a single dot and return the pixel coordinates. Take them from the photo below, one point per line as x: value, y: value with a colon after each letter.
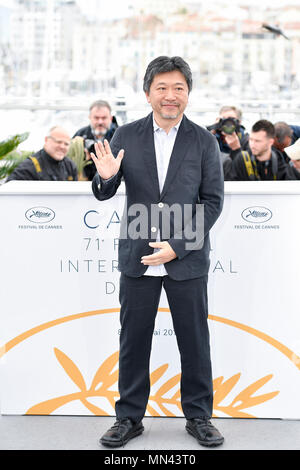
x: 160, y: 204
x: 153, y: 229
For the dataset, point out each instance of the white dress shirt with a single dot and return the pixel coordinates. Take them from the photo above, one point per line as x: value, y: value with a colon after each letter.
x: 164, y: 144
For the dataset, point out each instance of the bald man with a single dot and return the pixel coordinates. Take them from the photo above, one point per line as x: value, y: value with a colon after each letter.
x: 50, y: 163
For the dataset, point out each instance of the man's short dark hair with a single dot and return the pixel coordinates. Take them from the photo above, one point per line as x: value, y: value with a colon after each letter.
x: 100, y: 104
x: 164, y: 64
x: 282, y: 130
x: 264, y: 125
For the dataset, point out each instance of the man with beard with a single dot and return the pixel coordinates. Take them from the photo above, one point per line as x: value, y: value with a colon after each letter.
x: 102, y: 126
x: 263, y: 161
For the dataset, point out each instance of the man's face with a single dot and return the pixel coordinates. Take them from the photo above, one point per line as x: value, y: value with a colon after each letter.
x: 57, y: 144
x: 168, y: 95
x: 100, y: 119
x: 260, y: 144
x: 282, y: 145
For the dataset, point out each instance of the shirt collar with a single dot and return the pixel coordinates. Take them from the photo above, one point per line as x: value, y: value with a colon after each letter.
x: 156, y: 126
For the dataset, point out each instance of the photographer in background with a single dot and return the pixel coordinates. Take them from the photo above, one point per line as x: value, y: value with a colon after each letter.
x: 102, y: 126
x: 293, y: 153
x: 285, y: 135
x: 231, y: 136
x: 229, y: 131
x: 51, y: 163
x: 263, y: 161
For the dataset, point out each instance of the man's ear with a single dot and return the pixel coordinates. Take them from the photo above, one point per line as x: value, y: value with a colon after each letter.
x: 147, y: 96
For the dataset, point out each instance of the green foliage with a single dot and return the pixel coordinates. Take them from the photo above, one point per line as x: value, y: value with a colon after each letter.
x: 10, y: 157
x: 8, y: 145
x: 12, y: 160
x: 77, y: 154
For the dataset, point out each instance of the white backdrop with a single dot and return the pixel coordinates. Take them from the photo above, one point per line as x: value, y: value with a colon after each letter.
x: 59, y: 304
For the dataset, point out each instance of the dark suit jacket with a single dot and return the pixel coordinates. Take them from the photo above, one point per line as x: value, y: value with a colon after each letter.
x: 194, y: 176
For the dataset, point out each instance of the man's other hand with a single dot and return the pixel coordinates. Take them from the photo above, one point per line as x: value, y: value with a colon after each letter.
x: 164, y: 255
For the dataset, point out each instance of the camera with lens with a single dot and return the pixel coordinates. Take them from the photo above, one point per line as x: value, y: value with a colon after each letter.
x: 89, y: 144
x: 228, y: 126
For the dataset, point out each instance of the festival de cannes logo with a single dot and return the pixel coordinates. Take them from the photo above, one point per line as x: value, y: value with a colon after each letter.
x: 39, y: 215
x: 233, y: 395
x: 256, y: 214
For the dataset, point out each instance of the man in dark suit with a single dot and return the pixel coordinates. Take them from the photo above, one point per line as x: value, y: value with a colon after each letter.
x: 167, y: 162
x: 102, y: 126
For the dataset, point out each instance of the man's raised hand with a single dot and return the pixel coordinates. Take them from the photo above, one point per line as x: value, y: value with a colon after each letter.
x: 107, y: 165
x: 232, y: 140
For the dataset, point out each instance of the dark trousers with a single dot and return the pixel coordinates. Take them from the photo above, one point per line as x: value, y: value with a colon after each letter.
x: 139, y: 299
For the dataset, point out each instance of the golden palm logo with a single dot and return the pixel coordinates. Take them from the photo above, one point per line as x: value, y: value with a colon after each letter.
x: 105, y: 377
x: 104, y: 382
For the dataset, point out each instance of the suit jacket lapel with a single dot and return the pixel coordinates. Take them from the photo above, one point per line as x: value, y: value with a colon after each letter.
x: 180, y: 148
x: 149, y: 156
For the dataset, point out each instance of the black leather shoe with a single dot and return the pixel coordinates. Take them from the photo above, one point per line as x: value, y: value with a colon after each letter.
x: 205, y: 433
x: 121, y: 432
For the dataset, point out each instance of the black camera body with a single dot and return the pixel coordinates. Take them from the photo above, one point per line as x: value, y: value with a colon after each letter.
x: 89, y: 144
x: 228, y: 126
